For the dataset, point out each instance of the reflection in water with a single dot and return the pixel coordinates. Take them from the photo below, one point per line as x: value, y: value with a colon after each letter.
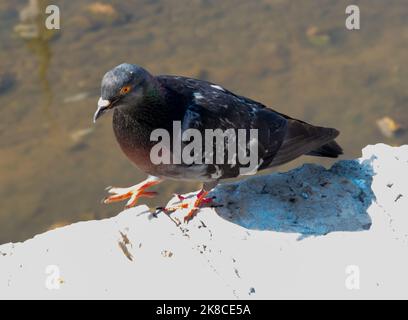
x: 37, y: 37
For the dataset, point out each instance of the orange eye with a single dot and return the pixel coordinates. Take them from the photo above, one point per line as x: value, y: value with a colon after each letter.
x: 125, y: 90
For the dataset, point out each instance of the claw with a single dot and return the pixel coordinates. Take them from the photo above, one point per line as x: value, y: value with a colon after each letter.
x: 149, y: 194
x: 200, y: 193
x: 132, y: 193
x: 179, y: 196
x: 193, y: 207
x: 117, y: 197
x: 201, y: 199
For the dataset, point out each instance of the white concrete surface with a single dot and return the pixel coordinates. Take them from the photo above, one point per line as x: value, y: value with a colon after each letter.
x: 308, y: 233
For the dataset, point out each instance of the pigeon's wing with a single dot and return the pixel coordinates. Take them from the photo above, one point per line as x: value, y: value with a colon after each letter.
x: 280, y: 138
x: 209, y: 106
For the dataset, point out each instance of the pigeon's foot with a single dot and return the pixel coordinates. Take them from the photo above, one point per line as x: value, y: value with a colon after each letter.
x: 133, y: 193
x: 201, y: 199
x: 180, y: 196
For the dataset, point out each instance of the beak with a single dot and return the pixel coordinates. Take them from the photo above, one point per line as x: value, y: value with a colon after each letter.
x: 103, y: 106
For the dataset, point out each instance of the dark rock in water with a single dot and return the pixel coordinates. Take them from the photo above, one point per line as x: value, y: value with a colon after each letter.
x: 7, y: 82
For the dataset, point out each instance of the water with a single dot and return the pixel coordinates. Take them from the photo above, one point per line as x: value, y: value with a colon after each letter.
x: 295, y: 56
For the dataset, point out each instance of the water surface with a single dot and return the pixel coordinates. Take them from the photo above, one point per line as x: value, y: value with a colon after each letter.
x: 295, y: 56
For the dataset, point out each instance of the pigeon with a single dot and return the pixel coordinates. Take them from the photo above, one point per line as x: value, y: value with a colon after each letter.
x: 143, y: 103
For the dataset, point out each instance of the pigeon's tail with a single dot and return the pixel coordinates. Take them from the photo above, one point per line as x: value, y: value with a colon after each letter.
x: 329, y: 150
x: 302, y: 138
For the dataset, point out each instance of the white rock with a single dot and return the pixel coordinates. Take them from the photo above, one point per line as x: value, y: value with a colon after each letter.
x: 261, y: 245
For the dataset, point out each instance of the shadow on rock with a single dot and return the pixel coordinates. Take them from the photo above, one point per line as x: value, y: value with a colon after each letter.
x: 310, y: 200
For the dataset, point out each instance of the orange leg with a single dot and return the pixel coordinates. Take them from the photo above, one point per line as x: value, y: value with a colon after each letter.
x: 201, y: 198
x: 133, y: 193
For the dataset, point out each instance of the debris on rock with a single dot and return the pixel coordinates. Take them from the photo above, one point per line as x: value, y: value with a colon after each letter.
x: 167, y: 253
x: 123, y: 244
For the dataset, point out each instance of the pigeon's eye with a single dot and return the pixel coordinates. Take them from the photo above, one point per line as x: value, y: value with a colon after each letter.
x: 125, y: 90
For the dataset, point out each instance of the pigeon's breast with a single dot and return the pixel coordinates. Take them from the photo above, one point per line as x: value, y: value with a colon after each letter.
x: 134, y: 139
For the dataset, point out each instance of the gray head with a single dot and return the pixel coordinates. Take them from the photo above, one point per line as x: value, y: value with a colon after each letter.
x: 121, y: 86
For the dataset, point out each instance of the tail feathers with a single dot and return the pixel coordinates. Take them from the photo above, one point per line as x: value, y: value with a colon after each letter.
x: 329, y: 150
x: 302, y: 138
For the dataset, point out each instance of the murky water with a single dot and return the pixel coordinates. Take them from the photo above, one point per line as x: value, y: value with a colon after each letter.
x: 295, y: 56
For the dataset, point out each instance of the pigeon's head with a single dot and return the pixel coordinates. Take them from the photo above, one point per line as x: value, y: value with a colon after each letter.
x: 124, y: 85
